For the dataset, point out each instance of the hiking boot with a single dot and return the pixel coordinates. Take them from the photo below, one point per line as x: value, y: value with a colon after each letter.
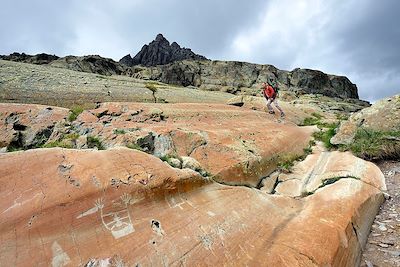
x: 271, y: 112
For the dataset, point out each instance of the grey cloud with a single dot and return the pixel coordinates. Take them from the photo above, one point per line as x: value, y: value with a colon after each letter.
x: 356, y: 38
x: 35, y: 26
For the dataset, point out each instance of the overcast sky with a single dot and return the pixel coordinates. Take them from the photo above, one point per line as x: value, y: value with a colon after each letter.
x: 356, y: 38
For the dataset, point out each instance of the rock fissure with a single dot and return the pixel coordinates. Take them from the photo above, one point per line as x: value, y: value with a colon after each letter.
x: 332, y: 180
x: 356, y: 234
x: 313, y: 261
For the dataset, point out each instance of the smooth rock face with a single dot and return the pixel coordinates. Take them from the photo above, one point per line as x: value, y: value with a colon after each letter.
x: 384, y: 115
x: 77, y: 207
x: 245, y: 77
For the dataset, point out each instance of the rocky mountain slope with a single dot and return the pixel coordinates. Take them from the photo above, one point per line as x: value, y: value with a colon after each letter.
x: 160, y: 52
x: 171, y: 175
x: 162, y: 62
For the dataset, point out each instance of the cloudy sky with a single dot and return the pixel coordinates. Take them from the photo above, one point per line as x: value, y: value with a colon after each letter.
x: 356, y: 38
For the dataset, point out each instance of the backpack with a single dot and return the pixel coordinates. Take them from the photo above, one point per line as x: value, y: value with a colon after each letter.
x: 274, y: 86
x: 272, y: 82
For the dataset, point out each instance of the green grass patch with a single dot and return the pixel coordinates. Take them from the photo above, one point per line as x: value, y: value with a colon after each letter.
x: 288, y: 161
x: 325, y: 136
x: 134, y: 146
x: 310, y: 121
x: 119, y: 131
x: 375, y: 145
x: 61, y: 143
x: 317, y: 115
x: 14, y: 148
x: 93, y: 142
x: 75, y: 111
x: 314, y: 120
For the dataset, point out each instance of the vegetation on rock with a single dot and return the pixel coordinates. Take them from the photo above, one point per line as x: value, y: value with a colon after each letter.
x: 75, y: 111
x: 93, y: 142
x: 375, y: 145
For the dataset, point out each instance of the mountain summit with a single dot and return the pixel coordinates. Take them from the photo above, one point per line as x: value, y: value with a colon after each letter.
x: 160, y: 52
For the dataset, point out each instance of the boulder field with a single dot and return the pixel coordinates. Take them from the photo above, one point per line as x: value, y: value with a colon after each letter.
x: 177, y: 185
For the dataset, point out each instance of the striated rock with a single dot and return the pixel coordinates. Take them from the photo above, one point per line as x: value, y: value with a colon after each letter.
x: 44, y: 85
x: 384, y: 115
x: 160, y: 52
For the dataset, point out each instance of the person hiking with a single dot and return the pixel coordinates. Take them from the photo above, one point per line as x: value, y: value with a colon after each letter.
x: 270, y: 92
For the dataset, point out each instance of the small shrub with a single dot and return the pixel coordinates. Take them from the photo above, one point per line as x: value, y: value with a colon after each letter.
x: 93, y: 142
x: 151, y: 86
x: 287, y: 163
x: 307, y: 150
x: 310, y: 121
x: 119, y: 131
x: 72, y: 136
x: 342, y: 117
x: 75, y: 111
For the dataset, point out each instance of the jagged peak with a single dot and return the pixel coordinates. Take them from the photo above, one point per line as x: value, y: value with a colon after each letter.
x: 160, y: 52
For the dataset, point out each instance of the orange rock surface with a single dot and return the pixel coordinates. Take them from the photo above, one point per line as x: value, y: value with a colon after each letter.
x: 124, y: 207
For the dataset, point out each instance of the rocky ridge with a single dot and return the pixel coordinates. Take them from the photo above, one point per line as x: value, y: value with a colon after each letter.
x: 245, y: 78
x: 38, y: 59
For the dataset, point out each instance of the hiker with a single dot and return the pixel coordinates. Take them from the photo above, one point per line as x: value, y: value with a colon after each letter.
x: 270, y: 92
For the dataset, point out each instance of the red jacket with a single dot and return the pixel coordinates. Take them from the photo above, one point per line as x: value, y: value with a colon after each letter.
x: 269, y: 92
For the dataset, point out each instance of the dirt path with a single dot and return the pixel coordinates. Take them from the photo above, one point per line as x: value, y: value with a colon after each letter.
x: 383, y: 245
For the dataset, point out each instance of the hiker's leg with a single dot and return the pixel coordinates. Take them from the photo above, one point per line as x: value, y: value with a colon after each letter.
x: 278, y: 107
x: 270, y: 109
